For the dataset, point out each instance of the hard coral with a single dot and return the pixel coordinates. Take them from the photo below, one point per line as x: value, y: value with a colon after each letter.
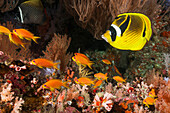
x: 102, y: 100
x: 6, y: 94
x: 163, y: 101
x: 17, y: 105
x: 57, y: 50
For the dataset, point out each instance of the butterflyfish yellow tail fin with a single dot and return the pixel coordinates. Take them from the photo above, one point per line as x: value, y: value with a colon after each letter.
x: 148, y: 27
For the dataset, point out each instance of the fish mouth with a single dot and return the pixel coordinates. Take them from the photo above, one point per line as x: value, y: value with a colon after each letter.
x: 104, y: 38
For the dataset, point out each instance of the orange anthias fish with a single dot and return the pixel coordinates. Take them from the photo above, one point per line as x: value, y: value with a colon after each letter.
x: 4, y: 30
x: 54, y: 84
x: 101, y: 76
x: 119, y: 79
x: 152, y: 93
x: 106, y: 61
x: 117, y: 71
x: 23, y: 33
x: 149, y: 101
x: 98, y: 83
x: 41, y: 62
x: 84, y: 81
x: 82, y: 60
x: 83, y: 55
x: 16, y: 40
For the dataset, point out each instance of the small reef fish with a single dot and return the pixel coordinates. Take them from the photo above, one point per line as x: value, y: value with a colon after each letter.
x: 98, y: 83
x: 101, y: 76
x: 4, y: 30
x: 41, y: 62
x: 23, y: 33
x: 106, y: 61
x: 83, y: 55
x: 82, y: 60
x: 152, y: 93
x: 149, y: 101
x: 119, y: 79
x: 16, y: 40
x: 54, y: 84
x: 129, y: 31
x: 116, y: 70
x: 84, y: 81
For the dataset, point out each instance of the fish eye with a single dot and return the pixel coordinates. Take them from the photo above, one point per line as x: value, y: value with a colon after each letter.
x: 44, y: 85
x: 33, y: 60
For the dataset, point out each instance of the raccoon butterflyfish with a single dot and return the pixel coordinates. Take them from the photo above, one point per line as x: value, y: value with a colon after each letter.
x: 41, y: 62
x: 54, y: 84
x: 32, y: 12
x: 149, y: 101
x: 129, y: 31
x: 101, y: 76
x: 23, y: 33
x: 79, y: 59
x: 16, y: 40
x: 84, y: 81
x: 119, y: 79
x: 4, y: 30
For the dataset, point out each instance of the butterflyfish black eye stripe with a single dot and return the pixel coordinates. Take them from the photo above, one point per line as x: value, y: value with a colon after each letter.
x: 124, y: 26
x: 113, y: 33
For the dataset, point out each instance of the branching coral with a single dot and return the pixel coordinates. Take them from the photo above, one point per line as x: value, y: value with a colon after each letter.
x: 17, y: 105
x: 13, y: 51
x: 103, y: 100
x: 57, y: 50
x: 163, y: 101
x: 163, y: 90
x: 8, y: 5
x: 6, y: 94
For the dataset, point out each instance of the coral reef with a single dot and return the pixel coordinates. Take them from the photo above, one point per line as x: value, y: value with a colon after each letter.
x: 56, y: 50
x: 145, y: 87
x: 8, y: 5
x: 10, y: 49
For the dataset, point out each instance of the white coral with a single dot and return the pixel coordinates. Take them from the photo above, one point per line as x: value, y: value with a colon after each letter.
x: 6, y: 94
x: 105, y: 102
x: 17, y: 105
